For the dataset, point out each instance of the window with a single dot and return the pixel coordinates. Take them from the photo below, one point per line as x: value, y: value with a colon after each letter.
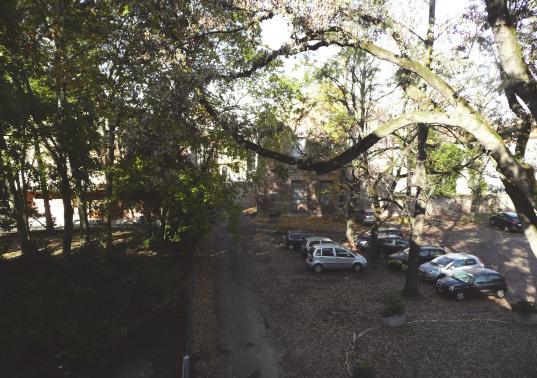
x: 324, y: 192
x: 495, y: 278
x: 470, y: 262
x: 424, y: 252
x: 342, y: 253
x: 317, y: 253
x: 458, y: 264
x: 300, y: 193
x: 328, y: 252
x: 481, y: 280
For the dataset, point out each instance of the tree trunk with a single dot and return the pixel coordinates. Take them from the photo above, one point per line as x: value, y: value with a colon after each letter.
x: 23, y: 231
x: 411, y: 283
x: 110, y: 159
x: 352, y: 205
x: 85, y: 232
x: 67, y: 195
x: 518, y: 78
x: 49, y: 222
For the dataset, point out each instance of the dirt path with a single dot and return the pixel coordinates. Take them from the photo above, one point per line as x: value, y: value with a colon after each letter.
x: 244, y: 339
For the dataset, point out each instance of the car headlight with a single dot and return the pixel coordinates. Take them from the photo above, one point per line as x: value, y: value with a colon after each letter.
x: 451, y: 288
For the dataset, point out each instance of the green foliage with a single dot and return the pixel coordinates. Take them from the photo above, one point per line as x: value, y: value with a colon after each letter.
x: 395, y: 306
x: 363, y: 370
x: 443, y: 162
x: 103, y: 298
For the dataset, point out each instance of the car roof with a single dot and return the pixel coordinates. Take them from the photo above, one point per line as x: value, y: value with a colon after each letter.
x: 478, y: 271
x: 321, y: 238
x: 334, y: 244
x: 459, y: 256
x: 512, y: 214
x: 431, y: 246
x: 390, y: 237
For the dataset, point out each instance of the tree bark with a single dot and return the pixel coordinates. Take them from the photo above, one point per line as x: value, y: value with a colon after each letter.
x: 518, y: 77
x: 19, y: 205
x: 110, y: 203
x: 420, y: 183
x: 49, y: 222
x: 68, y: 211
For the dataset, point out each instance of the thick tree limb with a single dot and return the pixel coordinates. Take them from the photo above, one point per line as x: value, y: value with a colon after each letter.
x: 518, y: 77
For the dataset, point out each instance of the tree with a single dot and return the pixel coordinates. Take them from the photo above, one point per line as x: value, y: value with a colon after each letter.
x: 343, y: 28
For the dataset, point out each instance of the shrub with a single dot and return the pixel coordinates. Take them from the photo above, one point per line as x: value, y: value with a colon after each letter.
x: 524, y: 307
x: 395, y: 306
x: 363, y: 370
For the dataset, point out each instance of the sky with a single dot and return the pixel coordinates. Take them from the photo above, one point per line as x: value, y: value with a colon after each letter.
x: 277, y: 30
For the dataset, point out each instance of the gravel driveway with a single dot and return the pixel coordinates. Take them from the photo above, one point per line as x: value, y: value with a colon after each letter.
x: 314, y: 317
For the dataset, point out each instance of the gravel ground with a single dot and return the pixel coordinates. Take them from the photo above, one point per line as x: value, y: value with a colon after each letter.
x: 468, y: 349
x: 204, y: 352
x: 314, y: 317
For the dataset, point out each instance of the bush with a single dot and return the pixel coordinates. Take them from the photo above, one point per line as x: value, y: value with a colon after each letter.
x: 363, y: 370
x: 395, y: 306
x: 524, y: 307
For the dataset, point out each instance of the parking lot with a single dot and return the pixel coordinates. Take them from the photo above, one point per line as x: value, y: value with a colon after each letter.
x: 313, y: 317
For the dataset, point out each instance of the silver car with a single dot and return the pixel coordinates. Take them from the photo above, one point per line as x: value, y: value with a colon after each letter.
x: 448, y: 264
x: 310, y: 242
x: 334, y: 256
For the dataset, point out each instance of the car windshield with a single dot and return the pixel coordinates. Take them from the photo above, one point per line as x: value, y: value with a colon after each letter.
x: 462, y: 276
x: 441, y: 261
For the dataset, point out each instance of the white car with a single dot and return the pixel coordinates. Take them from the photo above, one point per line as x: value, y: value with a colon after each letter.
x: 446, y: 265
x: 309, y: 243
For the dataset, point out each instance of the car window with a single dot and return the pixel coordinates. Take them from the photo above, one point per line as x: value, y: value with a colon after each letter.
x: 388, y: 242
x: 481, y: 279
x: 328, y: 252
x: 342, y: 253
x: 424, y: 252
x: 495, y: 278
x: 436, y: 252
x: 318, y: 252
x: 458, y: 264
x: 314, y: 242
x: 402, y: 242
x: 470, y: 262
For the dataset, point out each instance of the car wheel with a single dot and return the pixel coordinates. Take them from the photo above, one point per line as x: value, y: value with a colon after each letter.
x: 507, y: 229
x: 460, y: 296
x: 357, y: 267
x: 500, y: 293
x: 317, y: 268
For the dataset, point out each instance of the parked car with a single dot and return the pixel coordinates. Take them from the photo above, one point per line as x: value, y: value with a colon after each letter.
x: 332, y: 257
x: 448, y: 264
x: 293, y: 239
x: 508, y: 221
x: 389, y: 244
x: 427, y: 253
x: 363, y: 239
x: 365, y: 217
x: 472, y: 282
x: 310, y: 242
